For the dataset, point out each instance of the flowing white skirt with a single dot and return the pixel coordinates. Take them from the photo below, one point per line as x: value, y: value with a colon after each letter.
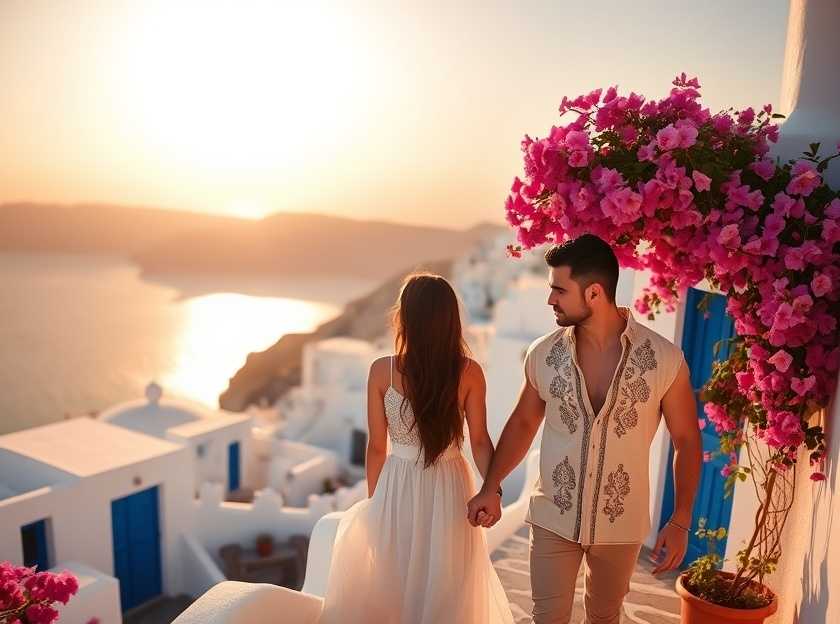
x: 408, y: 555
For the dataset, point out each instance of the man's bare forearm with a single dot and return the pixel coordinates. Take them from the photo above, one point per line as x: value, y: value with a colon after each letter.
x: 513, y: 445
x: 482, y: 455
x: 688, y: 463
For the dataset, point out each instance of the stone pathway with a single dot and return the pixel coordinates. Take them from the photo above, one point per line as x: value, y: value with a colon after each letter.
x: 651, y: 599
x: 159, y: 611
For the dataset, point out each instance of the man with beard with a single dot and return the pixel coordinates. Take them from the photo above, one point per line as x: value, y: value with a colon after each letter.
x: 601, y: 381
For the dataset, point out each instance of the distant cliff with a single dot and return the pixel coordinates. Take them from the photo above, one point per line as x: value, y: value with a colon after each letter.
x: 96, y: 228
x: 167, y: 241
x: 270, y: 373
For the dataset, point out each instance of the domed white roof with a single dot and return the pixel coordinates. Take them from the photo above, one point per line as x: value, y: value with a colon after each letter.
x: 155, y: 414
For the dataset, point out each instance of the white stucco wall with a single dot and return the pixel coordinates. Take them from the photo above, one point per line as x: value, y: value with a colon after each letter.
x: 20, y: 474
x: 217, y: 523
x: 337, y: 362
x: 308, y: 477
x: 79, y: 514
x: 212, y: 463
x: 98, y: 596
x: 234, y: 602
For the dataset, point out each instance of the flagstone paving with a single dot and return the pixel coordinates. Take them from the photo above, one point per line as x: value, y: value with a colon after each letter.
x: 651, y: 599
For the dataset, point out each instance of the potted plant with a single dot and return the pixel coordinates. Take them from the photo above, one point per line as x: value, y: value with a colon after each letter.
x: 690, y: 196
x: 265, y: 544
x: 706, y: 592
x: 29, y: 596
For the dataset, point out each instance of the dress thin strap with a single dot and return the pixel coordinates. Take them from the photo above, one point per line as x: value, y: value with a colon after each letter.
x: 392, y: 371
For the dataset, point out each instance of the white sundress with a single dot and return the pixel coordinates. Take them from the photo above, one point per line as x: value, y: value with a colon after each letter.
x: 408, y: 554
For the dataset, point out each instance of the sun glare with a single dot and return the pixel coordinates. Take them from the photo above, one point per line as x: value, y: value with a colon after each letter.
x: 242, y: 86
x: 207, y: 356
x: 248, y: 209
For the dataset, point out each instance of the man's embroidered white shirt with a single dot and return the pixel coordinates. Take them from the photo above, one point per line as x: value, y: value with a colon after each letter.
x: 593, y: 485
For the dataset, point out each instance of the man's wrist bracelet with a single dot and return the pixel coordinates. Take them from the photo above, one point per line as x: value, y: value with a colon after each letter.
x: 679, y: 526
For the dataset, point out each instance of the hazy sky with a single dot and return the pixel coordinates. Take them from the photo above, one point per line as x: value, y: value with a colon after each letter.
x: 402, y: 111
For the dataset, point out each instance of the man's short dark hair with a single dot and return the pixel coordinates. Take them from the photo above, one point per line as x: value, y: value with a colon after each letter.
x: 590, y: 260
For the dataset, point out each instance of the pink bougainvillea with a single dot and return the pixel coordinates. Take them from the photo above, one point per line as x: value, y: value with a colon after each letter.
x: 688, y: 195
x: 28, y: 596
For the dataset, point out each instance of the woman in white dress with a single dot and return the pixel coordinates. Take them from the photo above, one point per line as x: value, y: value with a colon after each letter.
x: 408, y: 554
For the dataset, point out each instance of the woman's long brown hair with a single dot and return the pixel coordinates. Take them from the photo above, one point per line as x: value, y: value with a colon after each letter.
x: 431, y: 355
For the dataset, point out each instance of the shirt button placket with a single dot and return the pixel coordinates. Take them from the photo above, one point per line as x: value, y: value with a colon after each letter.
x: 586, y: 499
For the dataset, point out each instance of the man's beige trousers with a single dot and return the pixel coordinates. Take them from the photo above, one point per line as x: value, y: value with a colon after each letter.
x: 555, y: 563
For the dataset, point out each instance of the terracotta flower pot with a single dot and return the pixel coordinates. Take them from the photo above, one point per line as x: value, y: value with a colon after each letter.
x: 695, y: 610
x: 265, y: 545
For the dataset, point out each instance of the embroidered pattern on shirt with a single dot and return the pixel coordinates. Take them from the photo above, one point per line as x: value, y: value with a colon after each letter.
x: 584, y: 449
x: 617, y: 487
x: 571, y: 406
x: 561, y: 388
x: 635, y: 388
x: 564, y: 482
x: 602, y: 447
x: 625, y: 421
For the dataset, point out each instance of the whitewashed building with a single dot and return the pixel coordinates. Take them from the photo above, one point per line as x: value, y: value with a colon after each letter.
x: 86, y: 493
x: 483, y: 275
x: 329, y: 408
x: 218, y: 440
x: 135, y: 502
x: 297, y: 470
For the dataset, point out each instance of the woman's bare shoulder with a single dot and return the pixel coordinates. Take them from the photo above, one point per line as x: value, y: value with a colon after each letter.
x: 473, y: 373
x: 380, y: 372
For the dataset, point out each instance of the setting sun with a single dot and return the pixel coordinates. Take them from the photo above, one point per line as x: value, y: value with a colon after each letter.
x: 374, y: 110
x: 248, y: 209
x: 235, y: 90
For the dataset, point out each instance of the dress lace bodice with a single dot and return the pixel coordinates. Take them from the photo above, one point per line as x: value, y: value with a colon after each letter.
x: 400, y: 419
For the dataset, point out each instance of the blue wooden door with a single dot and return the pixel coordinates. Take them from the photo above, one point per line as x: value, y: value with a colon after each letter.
x: 35, y: 549
x: 233, y: 466
x: 136, y: 535
x: 701, y: 331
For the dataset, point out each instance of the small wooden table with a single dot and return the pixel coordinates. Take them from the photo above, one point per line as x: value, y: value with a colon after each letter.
x: 275, y: 568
